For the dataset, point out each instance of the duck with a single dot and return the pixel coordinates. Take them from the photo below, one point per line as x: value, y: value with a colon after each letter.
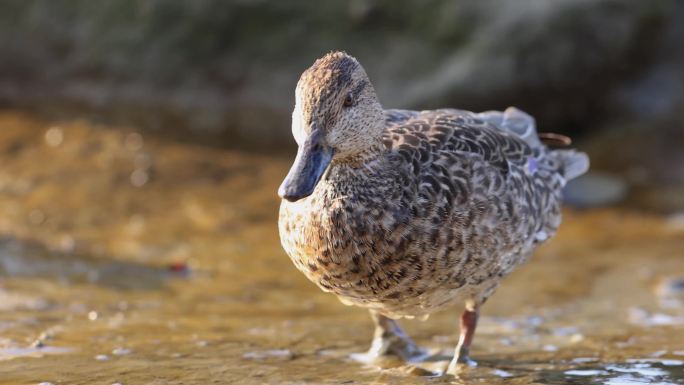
x: 407, y: 212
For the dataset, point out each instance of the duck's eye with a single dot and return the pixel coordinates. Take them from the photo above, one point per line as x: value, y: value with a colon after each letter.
x: 348, y: 100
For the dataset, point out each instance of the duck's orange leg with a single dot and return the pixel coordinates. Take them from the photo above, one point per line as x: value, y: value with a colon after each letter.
x: 468, y: 326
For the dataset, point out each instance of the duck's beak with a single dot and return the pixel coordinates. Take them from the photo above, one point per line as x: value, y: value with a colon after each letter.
x: 313, y: 158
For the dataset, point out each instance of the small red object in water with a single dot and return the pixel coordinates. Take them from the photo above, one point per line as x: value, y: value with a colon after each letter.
x: 179, y: 267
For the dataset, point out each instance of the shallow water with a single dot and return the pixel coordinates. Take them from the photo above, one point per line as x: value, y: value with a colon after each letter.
x: 125, y: 259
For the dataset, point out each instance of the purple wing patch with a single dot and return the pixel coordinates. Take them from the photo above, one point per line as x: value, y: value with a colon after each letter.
x: 532, y: 164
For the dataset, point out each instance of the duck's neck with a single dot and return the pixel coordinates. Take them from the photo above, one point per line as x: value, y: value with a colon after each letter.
x: 359, y: 159
x: 367, y: 171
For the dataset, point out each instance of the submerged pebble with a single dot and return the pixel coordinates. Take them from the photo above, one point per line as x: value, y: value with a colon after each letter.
x: 412, y: 370
x: 663, y: 361
x: 670, y: 287
x: 642, y: 369
x: 585, y: 372
x: 628, y: 379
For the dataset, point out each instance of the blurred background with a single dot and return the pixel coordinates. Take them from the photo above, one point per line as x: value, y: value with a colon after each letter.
x: 141, y: 143
x: 222, y: 73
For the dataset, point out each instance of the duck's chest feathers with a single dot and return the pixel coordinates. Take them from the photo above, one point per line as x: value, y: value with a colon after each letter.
x: 347, y: 240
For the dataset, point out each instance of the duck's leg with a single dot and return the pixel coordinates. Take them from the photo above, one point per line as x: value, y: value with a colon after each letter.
x: 468, y: 325
x: 390, y: 340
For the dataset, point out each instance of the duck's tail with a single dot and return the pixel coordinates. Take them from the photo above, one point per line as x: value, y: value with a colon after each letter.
x: 572, y: 163
x: 515, y: 121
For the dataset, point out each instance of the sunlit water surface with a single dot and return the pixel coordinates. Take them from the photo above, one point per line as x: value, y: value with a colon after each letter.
x: 128, y: 260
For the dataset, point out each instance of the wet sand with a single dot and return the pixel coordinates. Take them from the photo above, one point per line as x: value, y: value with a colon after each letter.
x: 127, y: 259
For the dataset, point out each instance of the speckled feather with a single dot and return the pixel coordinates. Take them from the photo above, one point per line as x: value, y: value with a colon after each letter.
x: 449, y: 204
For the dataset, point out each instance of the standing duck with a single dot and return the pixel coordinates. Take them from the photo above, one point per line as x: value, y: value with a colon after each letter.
x: 407, y: 212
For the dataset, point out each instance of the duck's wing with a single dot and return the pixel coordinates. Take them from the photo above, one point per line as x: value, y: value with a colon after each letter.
x: 501, y: 139
x: 396, y: 117
x: 423, y: 137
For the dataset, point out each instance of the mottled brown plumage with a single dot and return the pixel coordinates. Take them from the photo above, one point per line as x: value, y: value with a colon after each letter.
x: 413, y: 211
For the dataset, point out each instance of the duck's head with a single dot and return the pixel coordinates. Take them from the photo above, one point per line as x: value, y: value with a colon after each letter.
x: 337, y: 118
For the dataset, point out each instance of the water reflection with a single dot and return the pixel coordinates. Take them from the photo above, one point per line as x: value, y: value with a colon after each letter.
x: 32, y: 260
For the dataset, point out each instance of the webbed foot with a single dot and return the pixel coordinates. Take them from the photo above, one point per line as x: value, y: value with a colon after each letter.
x: 390, y: 341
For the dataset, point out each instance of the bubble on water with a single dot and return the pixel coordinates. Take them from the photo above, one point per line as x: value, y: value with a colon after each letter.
x: 283, y: 354
x: 67, y: 243
x: 92, y: 315
x: 133, y: 141
x: 576, y: 338
x: 581, y: 360
x: 116, y: 320
x: 36, y: 217
x: 102, y: 357
x: 139, y: 178
x: 11, y: 353
x: 93, y: 275
x: 670, y: 291
x: 143, y: 161
x: 642, y: 317
x: 675, y: 222
x: 121, y: 351
x: 501, y: 373
x: 565, y: 331
x: 261, y: 331
x: 136, y: 224
x: 54, y: 136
